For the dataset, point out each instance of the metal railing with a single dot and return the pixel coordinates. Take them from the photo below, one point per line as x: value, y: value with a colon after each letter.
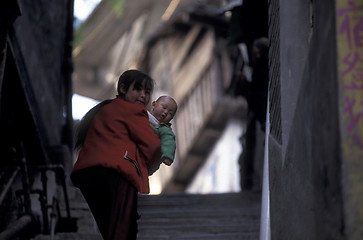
x: 28, y: 216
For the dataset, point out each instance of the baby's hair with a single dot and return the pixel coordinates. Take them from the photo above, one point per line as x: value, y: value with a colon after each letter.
x: 166, y: 96
x: 130, y: 76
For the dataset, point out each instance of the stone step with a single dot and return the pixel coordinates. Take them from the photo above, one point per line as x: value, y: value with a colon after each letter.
x: 232, y: 236
x: 70, y: 236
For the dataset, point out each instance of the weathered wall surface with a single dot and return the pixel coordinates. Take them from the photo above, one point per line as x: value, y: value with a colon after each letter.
x: 40, y: 39
x: 350, y: 54
x: 305, y: 170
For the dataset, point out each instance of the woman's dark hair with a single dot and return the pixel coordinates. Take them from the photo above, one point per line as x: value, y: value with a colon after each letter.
x: 130, y: 76
x: 125, y: 81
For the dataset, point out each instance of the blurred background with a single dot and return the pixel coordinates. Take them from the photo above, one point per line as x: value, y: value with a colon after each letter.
x: 187, y: 47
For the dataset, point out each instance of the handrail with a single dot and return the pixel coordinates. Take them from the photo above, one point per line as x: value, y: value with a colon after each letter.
x: 17, y: 227
x: 8, y: 185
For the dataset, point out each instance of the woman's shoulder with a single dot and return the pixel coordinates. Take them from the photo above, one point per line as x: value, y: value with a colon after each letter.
x: 124, y: 107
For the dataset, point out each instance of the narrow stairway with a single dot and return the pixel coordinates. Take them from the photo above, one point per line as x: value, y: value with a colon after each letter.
x: 200, y: 217
x: 178, y: 216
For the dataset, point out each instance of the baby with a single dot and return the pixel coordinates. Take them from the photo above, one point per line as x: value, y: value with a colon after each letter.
x: 162, y: 112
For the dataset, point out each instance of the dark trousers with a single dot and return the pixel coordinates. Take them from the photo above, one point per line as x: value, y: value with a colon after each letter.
x: 112, y: 200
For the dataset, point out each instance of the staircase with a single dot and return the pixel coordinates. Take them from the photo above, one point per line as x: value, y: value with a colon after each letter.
x: 179, y: 216
x: 199, y: 217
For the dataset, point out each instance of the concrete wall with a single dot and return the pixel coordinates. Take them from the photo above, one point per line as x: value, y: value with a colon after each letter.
x: 41, y: 41
x: 305, y: 173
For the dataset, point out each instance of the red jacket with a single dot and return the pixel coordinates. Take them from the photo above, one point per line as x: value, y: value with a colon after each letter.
x: 120, y: 137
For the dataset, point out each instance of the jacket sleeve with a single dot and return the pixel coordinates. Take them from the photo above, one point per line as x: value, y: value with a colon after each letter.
x: 168, y: 145
x: 143, y: 135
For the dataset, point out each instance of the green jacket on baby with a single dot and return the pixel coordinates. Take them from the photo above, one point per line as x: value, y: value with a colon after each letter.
x: 166, y: 135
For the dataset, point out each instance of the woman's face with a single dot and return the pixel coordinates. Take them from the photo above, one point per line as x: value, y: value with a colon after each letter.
x: 138, y: 96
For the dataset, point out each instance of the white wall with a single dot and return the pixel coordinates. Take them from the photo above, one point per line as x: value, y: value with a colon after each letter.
x: 220, y: 172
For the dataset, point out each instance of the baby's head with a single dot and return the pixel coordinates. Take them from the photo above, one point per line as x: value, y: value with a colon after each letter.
x: 164, y: 109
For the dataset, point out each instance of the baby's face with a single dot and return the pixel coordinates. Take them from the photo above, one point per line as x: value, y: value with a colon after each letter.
x: 164, y: 110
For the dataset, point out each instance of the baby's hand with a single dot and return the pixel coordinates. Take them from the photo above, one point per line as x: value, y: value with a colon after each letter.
x: 167, y: 161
